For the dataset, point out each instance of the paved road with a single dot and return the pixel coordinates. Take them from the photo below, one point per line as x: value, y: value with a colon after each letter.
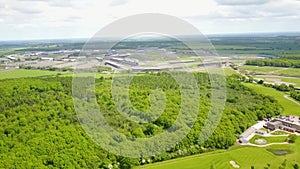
x: 287, y: 97
x: 255, y: 145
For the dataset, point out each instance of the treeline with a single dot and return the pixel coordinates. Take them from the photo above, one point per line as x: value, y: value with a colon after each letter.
x: 50, y: 68
x: 292, y: 57
x: 282, y: 87
x: 295, y: 95
x: 276, y: 62
x: 49, y: 47
x: 39, y: 127
x: 100, y: 69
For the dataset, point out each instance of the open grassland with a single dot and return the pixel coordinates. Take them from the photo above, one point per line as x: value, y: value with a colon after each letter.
x: 274, y: 139
x: 290, y: 108
x: 244, y: 156
x: 20, y: 73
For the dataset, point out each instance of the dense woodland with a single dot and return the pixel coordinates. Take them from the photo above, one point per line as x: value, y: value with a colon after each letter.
x: 39, y: 127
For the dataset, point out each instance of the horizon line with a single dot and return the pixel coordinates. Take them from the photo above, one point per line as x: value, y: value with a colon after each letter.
x: 290, y: 33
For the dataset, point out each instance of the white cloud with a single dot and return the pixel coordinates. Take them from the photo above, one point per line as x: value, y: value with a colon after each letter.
x: 242, y: 2
x: 56, y: 18
x: 118, y: 2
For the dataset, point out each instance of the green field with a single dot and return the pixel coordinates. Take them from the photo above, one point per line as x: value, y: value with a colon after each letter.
x: 274, y: 139
x: 279, y: 71
x: 290, y: 108
x: 279, y: 132
x: 244, y: 156
x: 259, y: 70
x: 290, y: 72
x: 20, y: 73
x: 296, y: 81
x: 229, y: 71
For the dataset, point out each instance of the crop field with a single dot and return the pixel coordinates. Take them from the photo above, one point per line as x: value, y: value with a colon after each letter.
x: 19, y: 73
x: 290, y: 108
x: 244, y: 156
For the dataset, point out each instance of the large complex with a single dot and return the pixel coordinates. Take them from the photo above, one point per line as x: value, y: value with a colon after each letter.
x: 287, y: 123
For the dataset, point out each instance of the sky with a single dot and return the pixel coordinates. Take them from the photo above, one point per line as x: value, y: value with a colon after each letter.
x: 59, y: 19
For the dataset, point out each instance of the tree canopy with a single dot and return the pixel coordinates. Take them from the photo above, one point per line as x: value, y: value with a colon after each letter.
x: 39, y: 127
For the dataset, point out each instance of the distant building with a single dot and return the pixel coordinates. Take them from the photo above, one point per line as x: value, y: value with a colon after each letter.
x: 115, y: 65
x: 49, y: 59
x: 11, y: 57
x: 182, y: 61
x: 243, y: 137
x: 77, y: 57
x: 99, y: 58
x: 124, y: 55
x: 243, y: 140
x: 148, y: 69
x: 112, y: 52
x: 68, y: 60
x: 268, y: 56
x: 125, y: 61
x: 273, y: 125
x: 287, y: 123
